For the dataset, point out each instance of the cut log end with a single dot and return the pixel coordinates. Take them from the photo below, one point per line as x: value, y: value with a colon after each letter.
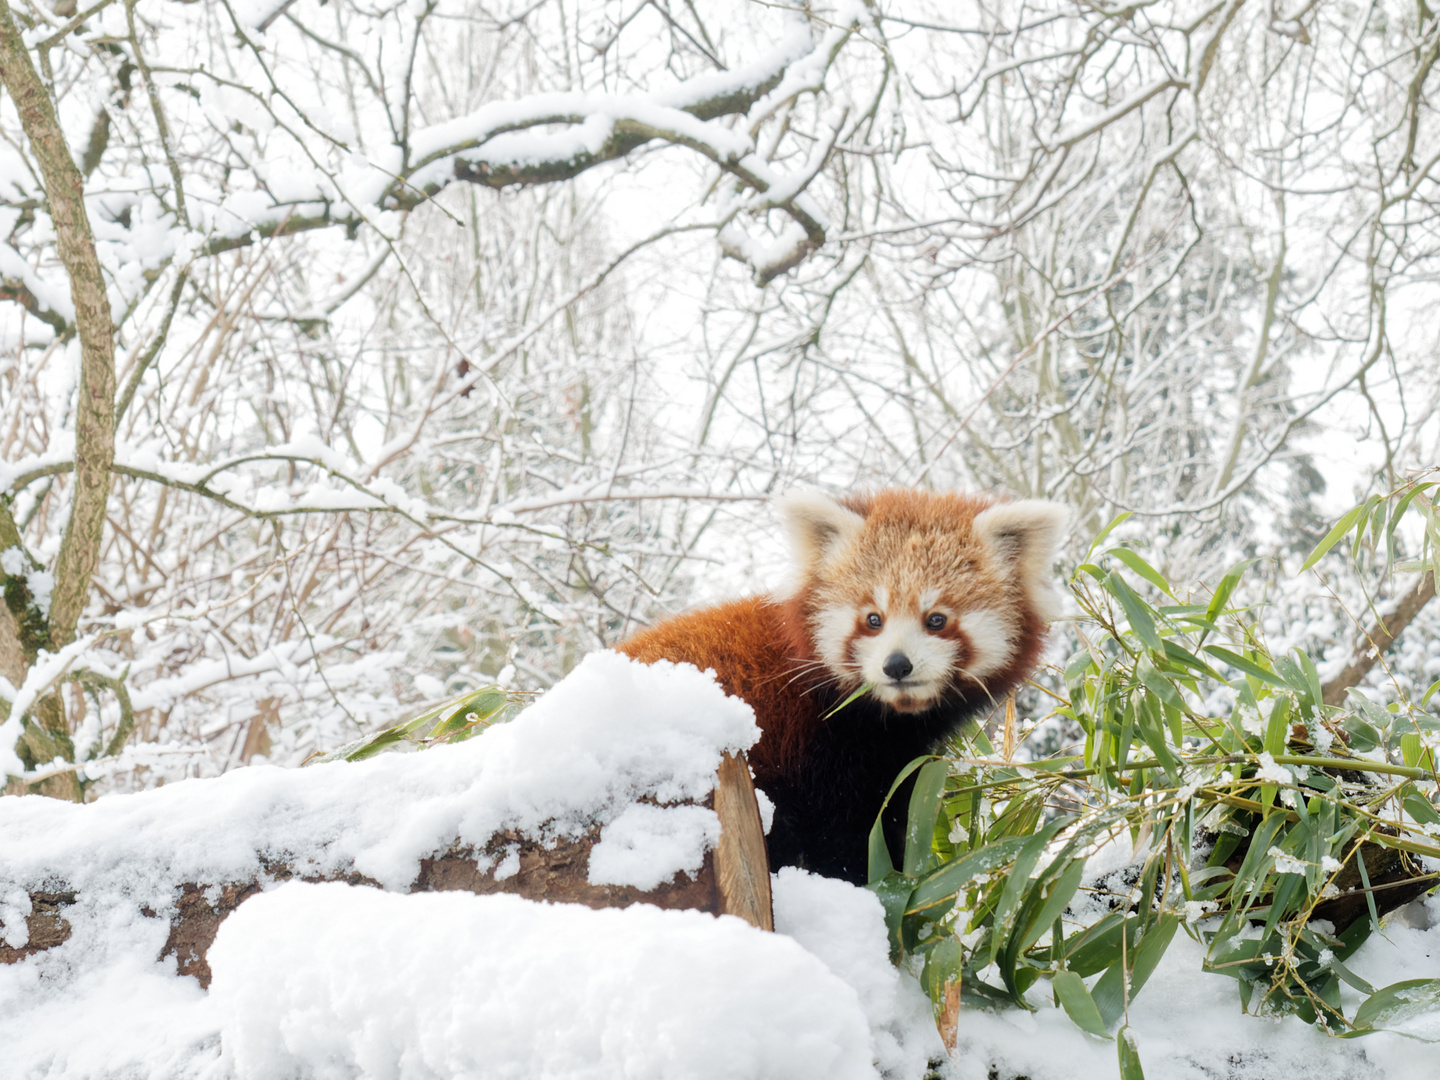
x: 742, y: 867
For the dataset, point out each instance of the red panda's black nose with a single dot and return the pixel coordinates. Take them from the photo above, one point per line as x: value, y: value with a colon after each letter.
x: 897, y: 665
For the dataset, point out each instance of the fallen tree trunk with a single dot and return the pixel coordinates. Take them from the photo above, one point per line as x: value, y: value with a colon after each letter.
x: 1377, y: 639
x: 734, y: 880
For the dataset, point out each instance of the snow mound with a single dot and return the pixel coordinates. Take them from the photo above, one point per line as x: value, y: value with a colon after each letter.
x: 339, y: 981
x: 844, y: 926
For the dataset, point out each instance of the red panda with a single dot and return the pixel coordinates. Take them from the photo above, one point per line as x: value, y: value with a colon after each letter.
x: 939, y: 603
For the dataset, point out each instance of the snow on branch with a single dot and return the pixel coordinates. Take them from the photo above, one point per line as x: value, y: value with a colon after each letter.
x: 512, y: 143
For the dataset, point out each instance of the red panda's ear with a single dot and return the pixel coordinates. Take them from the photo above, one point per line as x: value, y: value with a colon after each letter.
x: 1025, y: 536
x: 818, y: 525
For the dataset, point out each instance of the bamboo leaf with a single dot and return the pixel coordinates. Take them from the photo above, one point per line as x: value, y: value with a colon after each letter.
x: 1129, y: 1055
x: 893, y: 891
x: 1054, y: 905
x: 482, y: 705
x: 924, y: 810
x: 864, y: 689
x: 1109, y: 993
x: 1072, y: 996
x: 1226, y: 587
x: 1017, y: 882
x: 942, y: 884
x: 1157, y: 684
x: 1398, y: 1002
x: 1106, y: 531
x: 1237, y: 661
x: 1429, y: 693
x: 1332, y: 537
x: 1133, y: 560
x: 1420, y: 808
x: 1136, y: 611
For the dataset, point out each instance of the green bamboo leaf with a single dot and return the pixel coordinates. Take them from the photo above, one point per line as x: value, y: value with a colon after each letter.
x: 1369, y: 890
x: 1054, y: 904
x: 1109, y: 992
x: 1184, y: 657
x: 1312, y: 677
x: 1133, y: 560
x: 1239, y: 662
x: 1072, y: 996
x: 1395, y: 515
x: 1420, y: 808
x: 1277, y: 728
x: 879, y: 851
x: 1136, y: 610
x: 1398, y: 1002
x: 943, y: 965
x: 1157, y: 684
x: 482, y: 705
x: 864, y: 689
x: 1017, y: 881
x: 376, y: 743
x: 1226, y: 587
x: 1097, y: 947
x: 924, y: 810
x: 894, y: 892
x: 1332, y: 537
x: 1150, y: 722
x: 1365, y: 520
x: 1129, y: 1055
x: 1430, y: 693
x: 942, y: 884
x: 1256, y: 857
x: 1415, y: 752
x: 1106, y: 531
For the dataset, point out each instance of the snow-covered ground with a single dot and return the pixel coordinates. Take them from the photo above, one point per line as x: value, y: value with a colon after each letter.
x: 334, y: 980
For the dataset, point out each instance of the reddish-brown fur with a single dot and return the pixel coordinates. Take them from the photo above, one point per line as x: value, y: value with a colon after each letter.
x: 757, y: 650
x: 826, y: 769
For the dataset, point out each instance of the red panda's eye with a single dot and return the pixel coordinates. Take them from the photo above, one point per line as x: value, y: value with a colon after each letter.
x: 874, y: 621
x: 935, y: 621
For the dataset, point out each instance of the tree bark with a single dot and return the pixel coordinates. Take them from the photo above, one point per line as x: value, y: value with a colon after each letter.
x: 734, y: 880
x: 95, y: 410
x: 1378, y: 638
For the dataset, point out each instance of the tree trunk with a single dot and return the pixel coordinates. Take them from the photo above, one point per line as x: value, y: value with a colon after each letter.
x: 95, y: 409
x: 1378, y: 638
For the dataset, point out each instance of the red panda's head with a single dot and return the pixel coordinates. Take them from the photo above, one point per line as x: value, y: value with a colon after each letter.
x: 919, y: 593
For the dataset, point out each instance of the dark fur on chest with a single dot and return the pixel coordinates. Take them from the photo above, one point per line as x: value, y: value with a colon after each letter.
x: 825, y: 809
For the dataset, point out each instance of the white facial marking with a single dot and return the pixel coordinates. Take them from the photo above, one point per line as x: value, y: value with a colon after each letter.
x: 932, y: 661
x: 833, y: 626
x: 992, y: 641
x: 882, y: 598
x: 929, y: 598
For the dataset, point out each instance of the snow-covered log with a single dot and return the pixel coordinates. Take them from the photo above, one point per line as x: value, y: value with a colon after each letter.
x: 624, y: 784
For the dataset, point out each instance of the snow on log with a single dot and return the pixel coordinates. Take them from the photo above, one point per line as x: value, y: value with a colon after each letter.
x: 624, y: 783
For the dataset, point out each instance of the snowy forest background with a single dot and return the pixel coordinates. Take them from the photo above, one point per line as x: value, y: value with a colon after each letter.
x: 453, y: 340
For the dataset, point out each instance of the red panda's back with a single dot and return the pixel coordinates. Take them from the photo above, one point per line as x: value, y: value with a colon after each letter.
x: 751, y: 647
